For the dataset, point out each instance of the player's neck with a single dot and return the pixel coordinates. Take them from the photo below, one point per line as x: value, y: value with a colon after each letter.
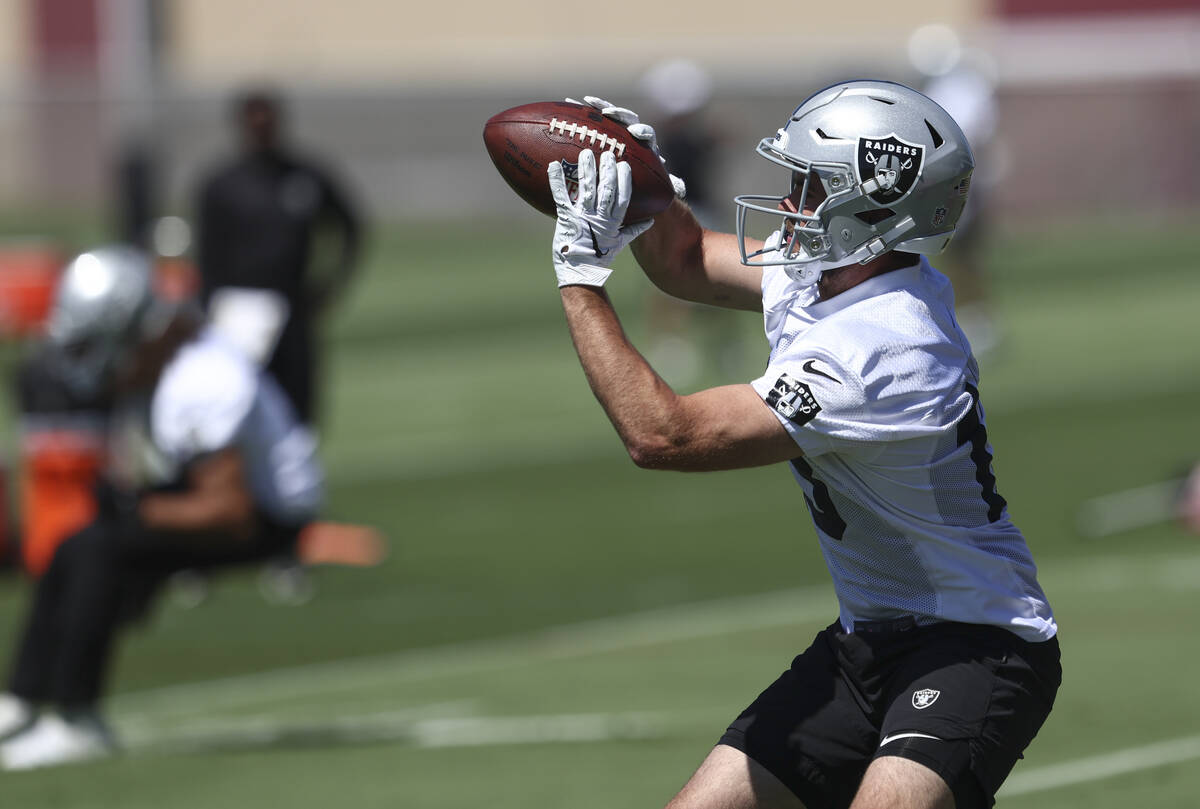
x: 835, y: 282
x: 152, y: 357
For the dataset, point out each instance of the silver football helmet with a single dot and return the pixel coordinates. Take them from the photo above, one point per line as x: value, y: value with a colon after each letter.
x: 104, y: 308
x: 893, y: 170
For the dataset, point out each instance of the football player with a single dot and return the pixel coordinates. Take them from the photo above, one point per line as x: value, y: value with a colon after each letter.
x: 272, y: 219
x: 943, y: 662
x: 217, y: 471
x: 62, y: 442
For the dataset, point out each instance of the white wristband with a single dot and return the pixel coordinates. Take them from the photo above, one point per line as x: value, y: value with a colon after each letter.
x: 580, y: 274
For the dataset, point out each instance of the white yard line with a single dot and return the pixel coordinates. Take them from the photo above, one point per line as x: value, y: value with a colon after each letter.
x: 141, y: 715
x: 793, y: 607
x: 395, y: 728
x: 1100, y: 767
x: 144, y: 732
x: 1129, y: 509
x: 650, y: 628
x: 415, y: 727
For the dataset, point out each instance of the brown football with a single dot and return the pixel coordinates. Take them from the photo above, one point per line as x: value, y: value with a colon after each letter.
x: 523, y: 140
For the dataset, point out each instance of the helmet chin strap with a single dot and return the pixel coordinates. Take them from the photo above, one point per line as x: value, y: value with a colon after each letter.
x: 807, y: 271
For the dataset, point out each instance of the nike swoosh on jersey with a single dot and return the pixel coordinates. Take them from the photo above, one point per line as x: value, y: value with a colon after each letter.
x: 895, y: 737
x: 808, y: 367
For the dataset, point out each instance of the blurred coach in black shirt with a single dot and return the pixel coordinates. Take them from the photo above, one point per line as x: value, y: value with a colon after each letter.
x: 262, y: 216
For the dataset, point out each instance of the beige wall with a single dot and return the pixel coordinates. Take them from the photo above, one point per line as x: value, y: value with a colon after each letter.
x: 14, y: 112
x: 14, y: 40
x: 395, y: 89
x: 473, y: 41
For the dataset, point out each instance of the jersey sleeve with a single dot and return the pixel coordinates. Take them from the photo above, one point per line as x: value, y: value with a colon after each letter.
x: 857, y: 402
x: 201, y: 403
x: 816, y: 398
x: 879, y: 369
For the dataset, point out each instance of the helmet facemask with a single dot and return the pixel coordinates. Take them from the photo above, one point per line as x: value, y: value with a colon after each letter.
x: 799, y: 237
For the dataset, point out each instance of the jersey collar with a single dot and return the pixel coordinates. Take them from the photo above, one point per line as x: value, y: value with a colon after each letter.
x: 878, y: 285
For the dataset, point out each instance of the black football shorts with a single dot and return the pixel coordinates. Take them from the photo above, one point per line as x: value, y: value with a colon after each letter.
x: 962, y: 699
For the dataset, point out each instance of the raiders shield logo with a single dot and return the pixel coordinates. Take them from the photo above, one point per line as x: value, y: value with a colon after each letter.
x: 793, y: 400
x: 893, y: 164
x: 924, y: 698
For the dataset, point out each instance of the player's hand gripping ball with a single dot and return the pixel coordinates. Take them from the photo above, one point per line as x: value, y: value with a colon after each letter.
x: 643, y: 132
x: 588, y: 232
x: 524, y: 140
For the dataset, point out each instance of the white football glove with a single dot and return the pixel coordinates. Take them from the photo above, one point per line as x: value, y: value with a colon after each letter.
x: 588, y: 233
x: 643, y: 132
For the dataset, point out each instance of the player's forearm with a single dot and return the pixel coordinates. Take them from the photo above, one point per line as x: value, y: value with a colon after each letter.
x: 687, y: 261
x: 196, y: 512
x: 640, y: 405
x: 671, y: 253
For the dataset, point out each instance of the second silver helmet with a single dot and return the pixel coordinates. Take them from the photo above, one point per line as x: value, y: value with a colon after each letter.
x: 103, y: 308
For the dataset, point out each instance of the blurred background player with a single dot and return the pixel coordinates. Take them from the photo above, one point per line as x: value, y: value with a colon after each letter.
x: 962, y: 81
x: 62, y: 433
x: 216, y: 471
x: 683, y: 335
x: 272, y: 220
x: 59, y: 431
x: 679, y: 92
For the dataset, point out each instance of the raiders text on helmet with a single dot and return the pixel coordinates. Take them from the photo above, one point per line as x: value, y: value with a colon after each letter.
x: 894, y: 167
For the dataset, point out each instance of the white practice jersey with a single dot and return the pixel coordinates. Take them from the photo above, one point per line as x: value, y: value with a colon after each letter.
x: 211, y: 397
x: 878, y: 387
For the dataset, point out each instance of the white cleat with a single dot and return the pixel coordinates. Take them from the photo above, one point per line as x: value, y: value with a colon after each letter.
x: 16, y: 714
x: 54, y: 739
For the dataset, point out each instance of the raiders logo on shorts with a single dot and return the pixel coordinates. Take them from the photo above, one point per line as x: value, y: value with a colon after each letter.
x: 925, y: 697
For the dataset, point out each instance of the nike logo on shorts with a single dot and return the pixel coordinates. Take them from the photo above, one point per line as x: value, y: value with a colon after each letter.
x: 895, y: 737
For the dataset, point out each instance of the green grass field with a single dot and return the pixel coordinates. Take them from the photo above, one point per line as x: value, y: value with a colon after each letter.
x: 555, y: 627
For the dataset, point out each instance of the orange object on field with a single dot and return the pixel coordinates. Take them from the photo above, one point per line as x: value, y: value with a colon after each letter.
x: 336, y: 543
x: 60, y: 471
x: 28, y: 274
x: 176, y: 279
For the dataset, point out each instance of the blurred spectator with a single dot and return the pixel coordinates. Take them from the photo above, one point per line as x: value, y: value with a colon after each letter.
x: 683, y: 337
x: 962, y: 82
x: 135, y: 201
x: 215, y: 471
x: 679, y: 91
x: 262, y: 220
